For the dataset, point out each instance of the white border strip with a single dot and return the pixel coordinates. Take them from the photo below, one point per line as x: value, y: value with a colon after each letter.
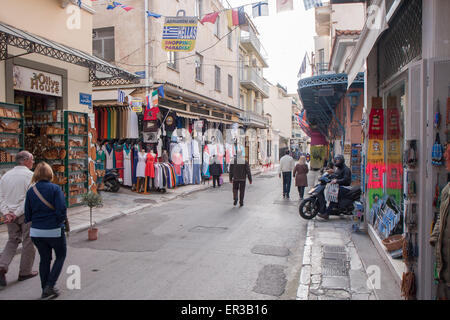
x: 305, y: 275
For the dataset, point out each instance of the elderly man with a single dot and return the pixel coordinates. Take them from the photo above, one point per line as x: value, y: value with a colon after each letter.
x: 13, y: 188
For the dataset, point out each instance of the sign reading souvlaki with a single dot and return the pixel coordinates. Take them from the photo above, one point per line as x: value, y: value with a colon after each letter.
x: 179, y: 33
x: 31, y: 80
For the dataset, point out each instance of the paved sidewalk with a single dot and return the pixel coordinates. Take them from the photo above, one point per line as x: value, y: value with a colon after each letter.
x: 332, y: 268
x: 125, y: 202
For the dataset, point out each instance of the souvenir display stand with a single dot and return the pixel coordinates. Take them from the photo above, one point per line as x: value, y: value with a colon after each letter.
x: 11, y: 133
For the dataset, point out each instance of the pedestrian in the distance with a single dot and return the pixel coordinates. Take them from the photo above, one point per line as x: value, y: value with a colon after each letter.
x: 13, y: 188
x: 287, y: 164
x: 215, y: 169
x: 239, y: 173
x: 45, y: 207
x: 301, y: 176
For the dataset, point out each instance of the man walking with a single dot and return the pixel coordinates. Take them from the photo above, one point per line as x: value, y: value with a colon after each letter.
x: 239, y: 172
x: 287, y: 164
x: 13, y: 188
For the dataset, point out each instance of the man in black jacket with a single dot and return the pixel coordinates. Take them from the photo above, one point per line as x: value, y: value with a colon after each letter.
x: 239, y: 172
x: 341, y: 176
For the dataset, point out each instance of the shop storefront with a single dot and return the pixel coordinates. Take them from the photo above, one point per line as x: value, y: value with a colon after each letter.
x: 406, y: 120
x: 47, y: 107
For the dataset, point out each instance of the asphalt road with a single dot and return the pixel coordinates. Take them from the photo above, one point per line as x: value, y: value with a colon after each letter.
x: 199, y: 247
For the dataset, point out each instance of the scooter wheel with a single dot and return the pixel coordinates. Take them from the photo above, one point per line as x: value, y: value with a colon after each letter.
x: 308, y: 209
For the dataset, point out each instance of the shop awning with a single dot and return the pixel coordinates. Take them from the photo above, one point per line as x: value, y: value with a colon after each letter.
x: 320, y: 96
x: 369, y: 37
x: 100, y: 72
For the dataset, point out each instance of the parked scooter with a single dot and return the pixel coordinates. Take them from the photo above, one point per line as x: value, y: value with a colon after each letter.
x: 111, y: 180
x: 316, y: 203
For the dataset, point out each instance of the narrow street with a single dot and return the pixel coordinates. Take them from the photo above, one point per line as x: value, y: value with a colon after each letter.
x: 199, y: 247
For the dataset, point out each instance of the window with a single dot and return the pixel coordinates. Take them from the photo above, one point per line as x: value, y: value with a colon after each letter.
x: 198, y: 67
x: 172, y: 61
x: 230, y: 39
x: 103, y: 43
x: 198, y: 8
x: 230, y: 86
x: 217, y: 78
x: 217, y: 27
x: 241, y: 67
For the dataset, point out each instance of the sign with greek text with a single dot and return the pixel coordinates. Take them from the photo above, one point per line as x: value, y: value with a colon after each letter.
x: 30, y: 80
x: 179, y: 33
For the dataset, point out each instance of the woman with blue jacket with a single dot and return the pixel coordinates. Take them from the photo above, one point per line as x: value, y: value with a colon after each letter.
x: 45, y: 207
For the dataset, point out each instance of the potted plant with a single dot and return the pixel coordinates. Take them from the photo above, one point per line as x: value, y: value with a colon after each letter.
x: 92, y: 200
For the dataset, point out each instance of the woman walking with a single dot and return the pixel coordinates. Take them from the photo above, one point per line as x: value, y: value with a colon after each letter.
x: 45, y: 207
x: 300, y: 173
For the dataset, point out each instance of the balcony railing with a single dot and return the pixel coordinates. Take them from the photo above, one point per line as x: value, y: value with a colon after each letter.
x: 322, y: 68
x: 250, y: 117
x: 251, y: 41
x: 251, y: 79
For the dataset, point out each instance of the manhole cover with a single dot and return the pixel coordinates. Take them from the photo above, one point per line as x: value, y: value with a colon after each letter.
x: 203, y: 229
x: 332, y: 267
x: 335, y: 255
x: 270, y: 250
x: 144, y: 201
x: 333, y: 249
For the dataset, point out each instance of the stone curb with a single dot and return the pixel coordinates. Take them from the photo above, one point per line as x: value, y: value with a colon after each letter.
x: 305, y: 275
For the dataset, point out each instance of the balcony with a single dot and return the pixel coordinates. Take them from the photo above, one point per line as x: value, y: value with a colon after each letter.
x: 254, y: 119
x: 250, y: 79
x: 322, y: 68
x: 251, y: 43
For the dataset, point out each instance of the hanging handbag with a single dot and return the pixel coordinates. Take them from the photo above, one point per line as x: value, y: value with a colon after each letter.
x: 437, y: 153
x: 66, y: 222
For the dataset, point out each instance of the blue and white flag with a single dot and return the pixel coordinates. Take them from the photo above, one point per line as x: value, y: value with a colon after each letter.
x: 309, y: 4
x: 120, y: 96
x: 302, y: 67
x: 260, y: 9
x: 152, y: 14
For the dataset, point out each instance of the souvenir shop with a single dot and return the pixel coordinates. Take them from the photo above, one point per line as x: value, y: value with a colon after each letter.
x: 36, y: 122
x: 407, y: 129
x: 157, y: 149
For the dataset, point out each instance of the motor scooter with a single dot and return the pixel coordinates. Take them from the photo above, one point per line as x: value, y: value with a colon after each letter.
x: 316, y: 203
x: 111, y: 180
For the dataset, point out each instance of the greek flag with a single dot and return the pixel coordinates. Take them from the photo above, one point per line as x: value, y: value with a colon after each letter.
x: 302, y: 67
x: 260, y: 9
x: 309, y: 4
x: 120, y: 96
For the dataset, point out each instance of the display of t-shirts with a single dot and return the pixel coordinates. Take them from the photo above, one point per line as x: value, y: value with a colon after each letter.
x: 127, y: 155
x: 376, y: 123
x: 109, y: 153
x: 185, y: 151
x: 375, y: 175
x: 150, y: 166
x: 394, y: 175
x: 375, y: 153
x: 141, y: 165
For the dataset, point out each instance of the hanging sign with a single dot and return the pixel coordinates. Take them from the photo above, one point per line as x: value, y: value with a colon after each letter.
x: 30, y: 80
x: 179, y: 33
x: 136, y: 105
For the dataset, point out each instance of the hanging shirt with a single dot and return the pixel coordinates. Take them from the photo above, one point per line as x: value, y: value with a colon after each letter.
x: 395, y: 176
x: 109, y: 152
x: 134, y: 134
x: 394, y: 151
x: 376, y: 124
x: 375, y: 174
x: 393, y: 123
x: 375, y: 154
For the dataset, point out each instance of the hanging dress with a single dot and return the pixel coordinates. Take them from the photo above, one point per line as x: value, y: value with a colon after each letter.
x: 150, y: 166
x: 127, y: 181
x: 109, y: 152
x: 119, y: 160
x: 140, y: 170
x: 134, y: 166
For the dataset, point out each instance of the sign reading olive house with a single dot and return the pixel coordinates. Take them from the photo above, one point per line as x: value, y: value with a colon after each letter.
x: 30, y: 80
x: 179, y: 33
